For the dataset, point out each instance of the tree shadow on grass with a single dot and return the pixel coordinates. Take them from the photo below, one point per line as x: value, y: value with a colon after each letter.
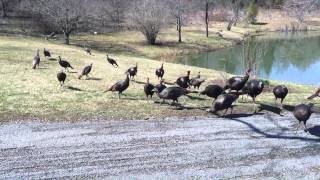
x: 73, y: 88
x: 93, y: 79
x: 259, y: 23
x: 196, y: 98
x: 179, y: 106
x: 110, y: 47
x: 52, y: 59
x: 123, y: 97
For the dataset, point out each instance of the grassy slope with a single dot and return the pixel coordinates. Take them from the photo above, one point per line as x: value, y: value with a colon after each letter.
x: 132, y: 43
x: 27, y: 93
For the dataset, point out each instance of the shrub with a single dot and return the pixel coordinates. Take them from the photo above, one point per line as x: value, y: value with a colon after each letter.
x: 252, y: 13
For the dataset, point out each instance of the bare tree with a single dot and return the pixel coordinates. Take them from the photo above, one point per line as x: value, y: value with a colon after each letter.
x: 207, y: 18
x: 148, y: 17
x: 4, y: 7
x: 300, y: 8
x: 112, y: 11
x: 178, y: 16
x: 179, y: 10
x: 9, y: 6
x: 206, y: 6
x: 235, y: 7
x: 65, y: 14
x: 252, y: 12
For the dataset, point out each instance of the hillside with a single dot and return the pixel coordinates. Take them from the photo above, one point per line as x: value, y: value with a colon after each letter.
x: 27, y: 93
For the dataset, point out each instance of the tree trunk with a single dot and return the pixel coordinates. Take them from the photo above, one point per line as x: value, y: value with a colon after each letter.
x: 207, y: 18
x: 67, y: 38
x: 152, y: 41
x: 4, y: 8
x: 118, y: 19
x: 179, y: 30
x: 230, y: 25
x: 151, y: 38
x: 177, y: 23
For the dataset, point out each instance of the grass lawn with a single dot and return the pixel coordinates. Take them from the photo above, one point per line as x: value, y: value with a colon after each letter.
x: 26, y: 93
x: 133, y: 44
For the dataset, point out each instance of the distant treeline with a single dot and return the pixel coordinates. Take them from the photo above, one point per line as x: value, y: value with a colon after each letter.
x: 146, y: 16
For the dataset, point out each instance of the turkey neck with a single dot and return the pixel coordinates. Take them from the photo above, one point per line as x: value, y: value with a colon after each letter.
x: 245, y: 78
x: 314, y: 109
x: 127, y: 80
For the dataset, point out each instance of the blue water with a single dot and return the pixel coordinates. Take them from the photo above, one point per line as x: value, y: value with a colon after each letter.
x: 284, y: 57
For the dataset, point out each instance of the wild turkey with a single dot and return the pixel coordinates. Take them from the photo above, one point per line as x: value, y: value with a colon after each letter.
x: 149, y: 89
x: 160, y: 87
x: 184, y: 81
x: 112, y: 61
x: 65, y: 64
x: 172, y: 93
x: 120, y: 86
x: 36, y: 60
x: 280, y: 92
x: 85, y: 72
x: 302, y: 113
x: 316, y: 94
x: 87, y: 50
x: 53, y: 34
x: 253, y: 89
x: 50, y: 36
x: 160, y: 72
x: 132, y: 71
x: 224, y: 102
x: 61, y: 77
x: 213, y: 91
x: 237, y: 83
x: 197, y: 81
x: 46, y: 53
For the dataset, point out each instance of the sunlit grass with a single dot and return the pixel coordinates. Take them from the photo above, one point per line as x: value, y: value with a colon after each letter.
x: 132, y: 43
x: 27, y: 93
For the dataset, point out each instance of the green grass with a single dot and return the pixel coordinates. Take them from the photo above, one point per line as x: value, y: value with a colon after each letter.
x: 133, y: 44
x: 27, y: 93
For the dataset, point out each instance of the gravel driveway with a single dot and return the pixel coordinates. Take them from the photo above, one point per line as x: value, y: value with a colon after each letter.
x: 237, y: 147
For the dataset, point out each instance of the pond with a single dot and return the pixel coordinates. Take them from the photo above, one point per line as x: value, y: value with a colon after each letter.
x: 292, y: 57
